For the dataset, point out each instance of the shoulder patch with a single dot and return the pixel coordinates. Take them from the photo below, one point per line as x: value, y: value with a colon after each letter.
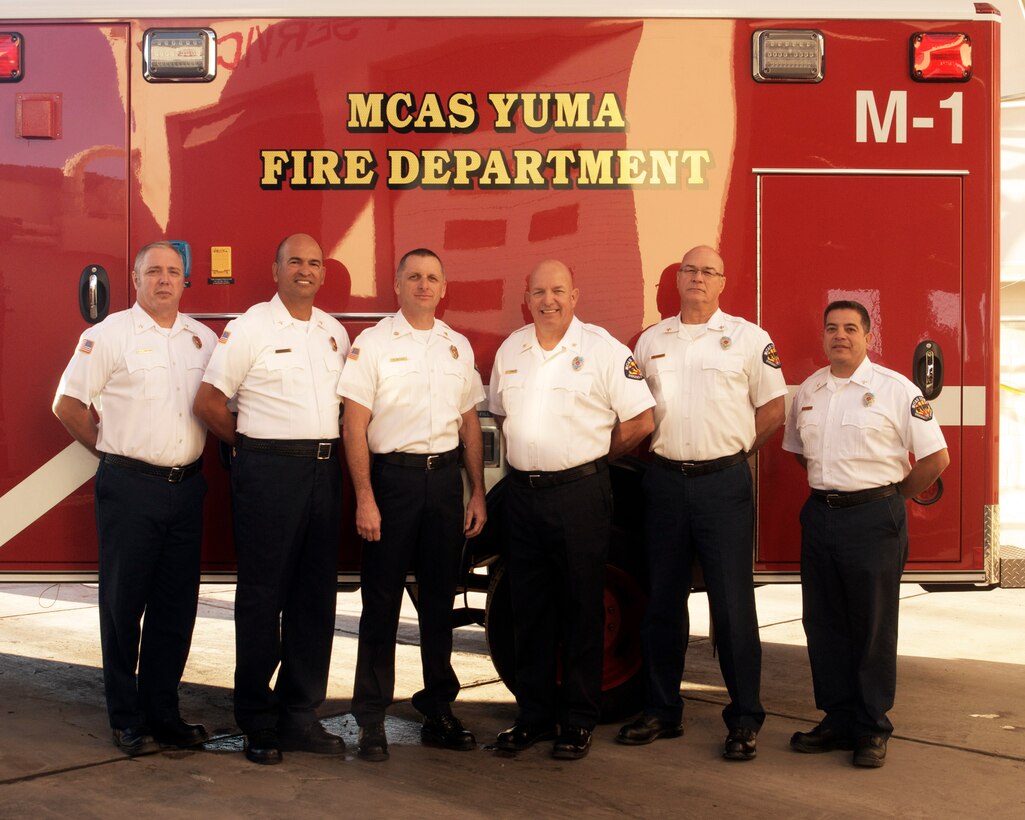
x: 353, y: 354
x: 631, y: 370
x: 224, y: 337
x: 86, y: 346
x: 921, y: 409
x: 770, y: 356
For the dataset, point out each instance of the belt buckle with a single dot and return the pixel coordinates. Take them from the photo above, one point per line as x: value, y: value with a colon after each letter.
x: 530, y: 480
x: 176, y: 475
x: 686, y: 466
x: 324, y: 451
x: 432, y: 460
x: 831, y: 497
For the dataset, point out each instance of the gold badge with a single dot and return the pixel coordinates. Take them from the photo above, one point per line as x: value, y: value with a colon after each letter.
x: 334, y: 344
x: 454, y: 351
x: 869, y: 399
x: 197, y: 342
x: 725, y: 342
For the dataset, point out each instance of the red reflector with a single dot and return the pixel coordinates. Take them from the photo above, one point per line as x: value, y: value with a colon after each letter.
x: 10, y: 56
x: 939, y: 57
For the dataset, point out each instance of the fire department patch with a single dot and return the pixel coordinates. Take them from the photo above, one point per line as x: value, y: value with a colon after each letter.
x: 770, y: 356
x: 921, y: 409
x: 725, y: 342
x: 868, y: 400
x: 334, y: 345
x: 631, y: 369
x: 577, y: 363
x: 86, y: 346
x: 224, y: 337
x: 353, y: 354
x: 197, y: 342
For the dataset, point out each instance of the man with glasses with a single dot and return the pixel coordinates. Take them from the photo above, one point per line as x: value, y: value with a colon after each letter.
x: 719, y: 395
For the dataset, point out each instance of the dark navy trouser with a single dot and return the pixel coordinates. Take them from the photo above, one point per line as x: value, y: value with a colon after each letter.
x: 558, y: 546
x: 421, y: 530
x: 851, y: 562
x: 149, y: 532
x: 287, y: 519
x: 710, y: 517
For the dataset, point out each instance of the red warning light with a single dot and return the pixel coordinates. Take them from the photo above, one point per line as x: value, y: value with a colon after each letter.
x: 11, y: 56
x: 937, y: 57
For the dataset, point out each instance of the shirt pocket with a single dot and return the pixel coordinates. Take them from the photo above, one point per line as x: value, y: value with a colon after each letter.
x: 861, y: 431
x: 724, y: 375
x: 453, y: 384
x: 662, y: 379
x: 284, y: 370
x: 511, y: 391
x: 571, y: 397
x: 396, y: 382
x: 149, y: 374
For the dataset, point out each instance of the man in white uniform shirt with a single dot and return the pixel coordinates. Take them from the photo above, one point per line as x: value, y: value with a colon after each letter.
x: 411, y: 392
x: 281, y: 360
x: 851, y: 426
x: 719, y: 391
x: 571, y: 398
x: 140, y: 368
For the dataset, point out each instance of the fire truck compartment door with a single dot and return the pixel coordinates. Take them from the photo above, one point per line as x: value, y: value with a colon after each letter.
x: 63, y: 211
x: 894, y: 243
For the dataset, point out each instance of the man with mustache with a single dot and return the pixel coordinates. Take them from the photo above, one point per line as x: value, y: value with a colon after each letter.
x: 281, y: 361
x: 851, y: 427
x: 140, y: 368
x: 719, y: 391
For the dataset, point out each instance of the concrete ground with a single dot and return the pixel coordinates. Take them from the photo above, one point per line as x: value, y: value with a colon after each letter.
x: 959, y: 747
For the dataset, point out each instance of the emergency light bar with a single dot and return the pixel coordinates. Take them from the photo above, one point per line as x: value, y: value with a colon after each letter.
x: 179, y: 55
x: 12, y: 57
x: 788, y: 56
x: 937, y: 57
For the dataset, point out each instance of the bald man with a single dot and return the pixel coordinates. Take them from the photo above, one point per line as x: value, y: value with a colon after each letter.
x: 281, y: 360
x: 719, y: 394
x: 569, y: 397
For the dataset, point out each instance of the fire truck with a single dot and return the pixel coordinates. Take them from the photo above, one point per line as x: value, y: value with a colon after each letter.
x: 843, y: 150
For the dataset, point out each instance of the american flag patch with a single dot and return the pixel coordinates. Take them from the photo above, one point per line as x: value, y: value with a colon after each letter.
x: 224, y: 337
x: 86, y: 346
x: 353, y: 354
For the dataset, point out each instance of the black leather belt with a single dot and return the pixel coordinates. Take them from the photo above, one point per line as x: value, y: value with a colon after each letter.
x: 694, y: 468
x: 419, y: 461
x: 539, y: 479
x: 839, y: 498
x: 298, y: 448
x: 172, y: 474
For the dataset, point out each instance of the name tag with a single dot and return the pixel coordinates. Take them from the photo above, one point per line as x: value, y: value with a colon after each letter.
x: 659, y: 356
x: 283, y: 350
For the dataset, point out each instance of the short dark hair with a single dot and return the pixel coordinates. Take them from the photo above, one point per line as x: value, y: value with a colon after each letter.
x: 163, y: 243
x: 848, y: 304
x: 422, y: 252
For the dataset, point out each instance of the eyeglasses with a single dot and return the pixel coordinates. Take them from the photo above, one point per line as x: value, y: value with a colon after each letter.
x: 707, y: 273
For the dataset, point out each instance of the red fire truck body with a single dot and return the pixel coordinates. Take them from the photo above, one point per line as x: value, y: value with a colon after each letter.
x: 848, y: 154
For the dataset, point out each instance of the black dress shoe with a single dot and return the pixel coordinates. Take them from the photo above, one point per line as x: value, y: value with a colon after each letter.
x: 179, y: 733
x: 447, y: 731
x: 870, y: 751
x: 373, y: 743
x: 821, y: 739
x: 740, y: 744
x: 573, y: 743
x: 648, y: 728
x: 263, y: 746
x: 135, y: 741
x: 311, y: 738
x: 522, y: 736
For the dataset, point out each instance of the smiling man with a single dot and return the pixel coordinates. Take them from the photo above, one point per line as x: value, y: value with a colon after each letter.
x: 851, y: 427
x: 140, y: 368
x: 411, y: 392
x: 281, y: 361
x: 569, y: 397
